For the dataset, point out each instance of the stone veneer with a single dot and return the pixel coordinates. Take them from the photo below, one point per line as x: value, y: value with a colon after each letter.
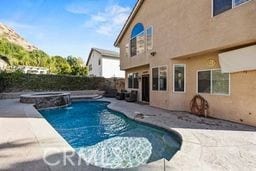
x: 46, y: 100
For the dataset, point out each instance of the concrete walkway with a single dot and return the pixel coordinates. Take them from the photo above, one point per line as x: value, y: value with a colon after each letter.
x: 208, y: 144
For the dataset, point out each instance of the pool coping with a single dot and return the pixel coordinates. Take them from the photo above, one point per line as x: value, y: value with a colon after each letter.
x: 192, y: 144
x: 65, y: 147
x: 60, y: 144
x: 202, y: 148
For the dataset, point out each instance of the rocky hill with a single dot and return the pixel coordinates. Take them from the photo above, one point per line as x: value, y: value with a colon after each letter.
x: 13, y: 37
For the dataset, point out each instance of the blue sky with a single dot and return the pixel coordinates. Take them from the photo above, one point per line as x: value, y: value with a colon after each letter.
x: 67, y: 27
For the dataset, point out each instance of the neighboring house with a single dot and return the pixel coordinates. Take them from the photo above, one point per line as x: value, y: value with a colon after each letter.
x: 172, y: 50
x: 104, y: 63
x: 3, y: 63
x: 33, y: 70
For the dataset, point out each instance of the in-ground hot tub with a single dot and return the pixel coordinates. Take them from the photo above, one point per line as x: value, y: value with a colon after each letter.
x: 46, y: 100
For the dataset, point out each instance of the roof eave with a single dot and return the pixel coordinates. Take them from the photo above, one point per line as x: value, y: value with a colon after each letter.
x: 128, y: 21
x: 89, y: 57
x: 96, y: 50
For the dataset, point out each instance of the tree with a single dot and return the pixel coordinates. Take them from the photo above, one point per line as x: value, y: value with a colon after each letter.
x: 17, y: 55
x: 77, y: 66
x: 38, y: 58
x: 61, y: 65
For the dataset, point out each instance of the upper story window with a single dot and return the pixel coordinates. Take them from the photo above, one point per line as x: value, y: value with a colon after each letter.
x: 99, y: 62
x: 140, y: 40
x: 137, y: 40
x: 90, y: 67
x: 220, y: 6
x: 149, y: 40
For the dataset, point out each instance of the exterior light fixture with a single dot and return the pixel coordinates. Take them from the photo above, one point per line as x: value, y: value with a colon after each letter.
x: 153, y: 53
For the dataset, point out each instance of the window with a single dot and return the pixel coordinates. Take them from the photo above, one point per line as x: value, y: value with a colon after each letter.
x: 140, y: 40
x: 133, y: 80
x: 137, y: 29
x: 136, y: 80
x: 162, y: 78
x: 220, y: 6
x: 220, y: 82
x: 213, y: 82
x: 238, y: 2
x: 137, y: 40
x: 130, y: 80
x: 99, y: 62
x: 127, y: 50
x: 204, y: 82
x: 179, y: 78
x: 133, y: 47
x: 140, y: 43
x: 149, y: 40
x: 90, y: 67
x: 155, y: 78
x: 159, y: 78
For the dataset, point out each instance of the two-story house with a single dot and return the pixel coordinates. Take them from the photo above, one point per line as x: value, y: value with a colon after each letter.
x: 104, y: 63
x: 172, y: 50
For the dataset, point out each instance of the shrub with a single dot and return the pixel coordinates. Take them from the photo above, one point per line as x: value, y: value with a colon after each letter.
x: 17, y: 81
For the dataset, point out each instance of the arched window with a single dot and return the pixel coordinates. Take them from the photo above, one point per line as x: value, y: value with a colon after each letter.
x: 137, y: 29
x: 137, y: 44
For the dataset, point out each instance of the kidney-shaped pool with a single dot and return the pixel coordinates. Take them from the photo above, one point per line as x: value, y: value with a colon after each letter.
x: 108, y: 139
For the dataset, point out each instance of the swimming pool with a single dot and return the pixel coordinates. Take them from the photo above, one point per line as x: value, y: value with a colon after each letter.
x: 108, y: 139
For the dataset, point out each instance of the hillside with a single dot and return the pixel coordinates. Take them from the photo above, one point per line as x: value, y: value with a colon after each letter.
x: 19, y: 52
x: 13, y: 37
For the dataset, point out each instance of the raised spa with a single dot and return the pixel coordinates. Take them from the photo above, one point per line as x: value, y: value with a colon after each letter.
x: 46, y: 100
x: 108, y: 139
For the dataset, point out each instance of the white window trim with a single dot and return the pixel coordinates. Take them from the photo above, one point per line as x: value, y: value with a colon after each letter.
x: 185, y: 79
x: 133, y: 73
x: 153, y: 78
x: 145, y: 41
x: 137, y: 34
x: 211, y: 93
x: 233, y: 6
x: 159, y: 78
x: 136, y: 49
x: 152, y: 38
x: 128, y: 53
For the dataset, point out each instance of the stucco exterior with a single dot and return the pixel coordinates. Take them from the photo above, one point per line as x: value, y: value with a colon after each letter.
x: 94, y: 69
x: 104, y: 63
x: 111, y: 68
x: 185, y: 32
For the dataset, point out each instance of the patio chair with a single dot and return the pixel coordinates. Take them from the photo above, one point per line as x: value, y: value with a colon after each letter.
x: 132, y: 96
x: 111, y: 93
x: 121, y: 95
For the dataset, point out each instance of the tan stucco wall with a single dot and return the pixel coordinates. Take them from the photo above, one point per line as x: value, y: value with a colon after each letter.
x: 183, y: 27
x: 239, y: 106
x: 185, y: 32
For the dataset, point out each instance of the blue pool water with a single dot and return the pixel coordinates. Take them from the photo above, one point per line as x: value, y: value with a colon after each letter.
x: 108, y: 139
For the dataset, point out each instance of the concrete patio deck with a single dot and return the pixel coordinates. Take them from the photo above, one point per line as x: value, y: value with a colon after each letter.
x: 208, y: 144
